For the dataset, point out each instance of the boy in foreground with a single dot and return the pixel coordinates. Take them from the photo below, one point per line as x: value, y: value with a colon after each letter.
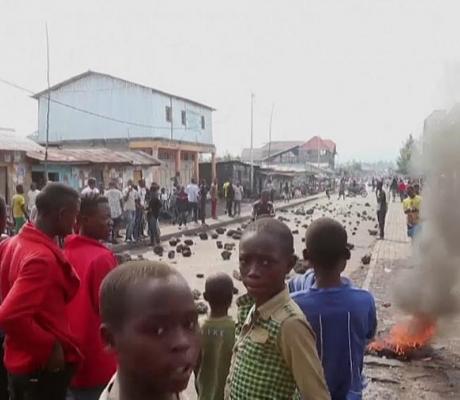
x: 150, y: 323
x: 217, y: 338
x: 92, y: 262
x: 342, y: 316
x: 275, y: 354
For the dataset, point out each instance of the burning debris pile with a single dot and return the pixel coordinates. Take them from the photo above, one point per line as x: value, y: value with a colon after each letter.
x: 430, y: 290
x: 406, y: 340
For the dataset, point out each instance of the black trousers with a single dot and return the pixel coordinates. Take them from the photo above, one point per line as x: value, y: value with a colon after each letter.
x: 42, y: 385
x: 381, y: 215
x: 229, y: 205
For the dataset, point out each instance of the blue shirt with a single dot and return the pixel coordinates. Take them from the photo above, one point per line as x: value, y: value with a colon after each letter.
x: 344, y: 320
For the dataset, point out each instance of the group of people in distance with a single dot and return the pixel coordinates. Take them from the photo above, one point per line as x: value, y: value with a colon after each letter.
x: 76, y: 325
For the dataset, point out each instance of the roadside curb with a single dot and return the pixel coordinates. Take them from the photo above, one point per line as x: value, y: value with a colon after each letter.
x: 122, y: 247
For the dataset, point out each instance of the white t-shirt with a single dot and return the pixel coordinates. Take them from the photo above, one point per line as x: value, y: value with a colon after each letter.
x: 114, y: 196
x: 142, y: 194
x: 130, y: 202
x: 238, y: 193
x: 193, y: 193
x: 31, y: 197
x: 87, y: 190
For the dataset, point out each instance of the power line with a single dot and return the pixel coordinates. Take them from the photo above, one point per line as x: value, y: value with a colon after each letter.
x: 78, y: 109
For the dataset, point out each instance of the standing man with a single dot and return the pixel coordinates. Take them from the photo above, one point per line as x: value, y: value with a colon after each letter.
x: 193, y: 193
x: 115, y: 198
x: 342, y: 189
x: 238, y: 193
x: 20, y: 214
x: 382, y: 208
x: 229, y: 197
x: 91, y: 188
x: 130, y: 196
x: 394, y: 188
x: 31, y: 197
x: 139, y: 222
x: 411, y: 206
x: 154, y: 206
x: 203, y: 199
x: 36, y: 285
x: 214, y: 199
x: 402, y: 190
x: 92, y: 262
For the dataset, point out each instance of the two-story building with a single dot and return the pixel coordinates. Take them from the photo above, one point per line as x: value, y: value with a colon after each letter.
x: 97, y: 110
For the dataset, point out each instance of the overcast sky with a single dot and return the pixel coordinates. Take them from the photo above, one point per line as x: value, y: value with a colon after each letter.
x: 362, y: 73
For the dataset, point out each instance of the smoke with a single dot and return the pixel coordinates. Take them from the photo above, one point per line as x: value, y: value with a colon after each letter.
x: 432, y: 286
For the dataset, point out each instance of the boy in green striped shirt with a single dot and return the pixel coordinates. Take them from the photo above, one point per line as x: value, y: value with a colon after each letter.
x: 275, y: 353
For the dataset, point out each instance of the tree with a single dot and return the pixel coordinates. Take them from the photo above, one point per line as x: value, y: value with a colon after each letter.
x: 405, y: 155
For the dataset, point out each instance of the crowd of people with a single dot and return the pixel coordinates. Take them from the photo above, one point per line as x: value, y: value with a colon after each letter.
x: 75, y: 325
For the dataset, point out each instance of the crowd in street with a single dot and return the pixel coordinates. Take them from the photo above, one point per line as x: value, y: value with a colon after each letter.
x: 75, y: 325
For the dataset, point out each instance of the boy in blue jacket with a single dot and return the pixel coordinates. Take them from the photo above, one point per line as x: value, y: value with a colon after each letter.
x: 342, y: 316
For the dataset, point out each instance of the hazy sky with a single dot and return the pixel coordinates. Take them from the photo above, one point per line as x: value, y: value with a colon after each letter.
x: 363, y: 73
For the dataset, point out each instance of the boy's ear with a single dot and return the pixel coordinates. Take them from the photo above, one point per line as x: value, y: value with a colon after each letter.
x: 205, y: 296
x: 292, y: 261
x: 107, y: 338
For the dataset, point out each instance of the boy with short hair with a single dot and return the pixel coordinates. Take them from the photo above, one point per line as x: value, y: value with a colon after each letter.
x: 217, y: 338
x: 342, y: 316
x: 150, y: 323
x: 275, y: 354
x: 92, y: 262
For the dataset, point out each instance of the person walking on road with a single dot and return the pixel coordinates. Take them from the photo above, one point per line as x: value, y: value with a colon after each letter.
x: 382, y: 208
x: 182, y: 207
x: 229, y: 194
x: 115, y: 198
x: 20, y: 214
x: 91, y: 189
x: 342, y: 189
x: 394, y: 188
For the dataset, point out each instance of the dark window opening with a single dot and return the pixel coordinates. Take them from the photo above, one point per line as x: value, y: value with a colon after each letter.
x: 184, y: 118
x: 202, y: 122
x: 168, y: 113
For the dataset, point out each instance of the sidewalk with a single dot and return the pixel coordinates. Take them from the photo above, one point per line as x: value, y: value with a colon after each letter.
x: 168, y: 230
x: 396, y: 245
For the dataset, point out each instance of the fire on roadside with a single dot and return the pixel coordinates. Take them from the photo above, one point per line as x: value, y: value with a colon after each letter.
x: 405, y: 338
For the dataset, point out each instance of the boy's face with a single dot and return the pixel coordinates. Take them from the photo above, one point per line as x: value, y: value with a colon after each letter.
x: 158, y: 346
x: 98, y: 225
x: 263, y: 265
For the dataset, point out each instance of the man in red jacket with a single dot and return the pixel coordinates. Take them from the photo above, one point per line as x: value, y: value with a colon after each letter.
x: 92, y: 262
x: 36, y: 285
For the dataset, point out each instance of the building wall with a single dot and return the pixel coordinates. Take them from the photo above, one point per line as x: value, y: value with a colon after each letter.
x: 123, y: 101
x: 14, y: 170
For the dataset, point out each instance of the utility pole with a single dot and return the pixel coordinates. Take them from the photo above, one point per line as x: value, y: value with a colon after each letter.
x: 270, y: 133
x: 252, y: 145
x: 49, y: 101
x: 171, y: 104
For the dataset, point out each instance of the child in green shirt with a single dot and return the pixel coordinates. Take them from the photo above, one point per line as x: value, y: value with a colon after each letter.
x: 275, y: 353
x: 217, y: 340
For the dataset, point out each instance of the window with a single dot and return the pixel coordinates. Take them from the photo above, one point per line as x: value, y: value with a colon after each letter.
x: 168, y: 113
x: 202, y: 122
x: 184, y: 118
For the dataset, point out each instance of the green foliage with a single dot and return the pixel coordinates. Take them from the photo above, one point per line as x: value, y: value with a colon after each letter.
x: 405, y: 155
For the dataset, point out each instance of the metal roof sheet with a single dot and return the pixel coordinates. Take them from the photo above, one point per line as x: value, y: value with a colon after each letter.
x: 94, y: 156
x: 89, y: 72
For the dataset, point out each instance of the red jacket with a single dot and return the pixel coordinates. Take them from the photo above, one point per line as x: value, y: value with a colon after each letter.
x: 36, y: 285
x: 92, y: 262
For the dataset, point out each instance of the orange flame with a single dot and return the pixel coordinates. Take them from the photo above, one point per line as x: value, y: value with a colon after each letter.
x: 406, y: 336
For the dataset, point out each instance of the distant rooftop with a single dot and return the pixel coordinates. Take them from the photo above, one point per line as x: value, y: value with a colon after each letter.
x: 94, y: 73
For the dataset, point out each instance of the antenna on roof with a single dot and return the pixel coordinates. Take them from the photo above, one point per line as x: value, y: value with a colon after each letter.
x: 49, y: 99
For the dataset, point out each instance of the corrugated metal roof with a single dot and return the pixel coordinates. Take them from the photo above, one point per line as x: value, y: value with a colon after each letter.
x: 89, y: 72
x: 11, y: 141
x: 94, y: 156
